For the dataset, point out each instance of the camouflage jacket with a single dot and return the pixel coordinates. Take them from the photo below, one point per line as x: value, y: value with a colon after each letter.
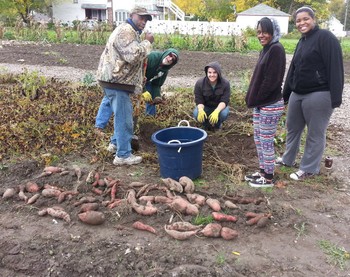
x: 121, y: 64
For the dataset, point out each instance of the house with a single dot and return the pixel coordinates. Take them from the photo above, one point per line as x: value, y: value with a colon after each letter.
x: 335, y: 26
x: 112, y: 10
x: 249, y: 18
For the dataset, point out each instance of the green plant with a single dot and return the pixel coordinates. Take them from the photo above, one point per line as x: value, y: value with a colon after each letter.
x: 31, y: 82
x: 202, y: 220
x: 301, y: 229
x: 337, y: 255
x: 220, y: 259
x: 88, y: 79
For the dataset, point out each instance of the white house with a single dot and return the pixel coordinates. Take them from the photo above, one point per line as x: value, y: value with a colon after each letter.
x: 112, y: 10
x: 335, y: 26
x: 249, y: 18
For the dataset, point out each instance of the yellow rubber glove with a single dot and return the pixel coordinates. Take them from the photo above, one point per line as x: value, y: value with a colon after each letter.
x: 201, y: 115
x: 147, y: 96
x: 214, y: 117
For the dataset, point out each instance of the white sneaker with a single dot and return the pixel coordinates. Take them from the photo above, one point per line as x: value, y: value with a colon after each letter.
x: 112, y: 148
x: 132, y: 159
x: 300, y: 175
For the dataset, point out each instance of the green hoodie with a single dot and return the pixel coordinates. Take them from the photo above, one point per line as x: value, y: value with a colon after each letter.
x: 156, y: 73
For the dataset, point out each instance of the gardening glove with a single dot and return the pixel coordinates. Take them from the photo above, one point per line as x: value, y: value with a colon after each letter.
x: 214, y: 117
x: 201, y: 115
x: 147, y: 96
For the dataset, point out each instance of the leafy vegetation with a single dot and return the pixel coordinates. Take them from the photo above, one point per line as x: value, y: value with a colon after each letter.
x: 337, y: 255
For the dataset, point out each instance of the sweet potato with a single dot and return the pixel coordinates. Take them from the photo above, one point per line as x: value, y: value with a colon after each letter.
x: 187, y: 184
x: 62, y: 196
x: 136, y: 184
x: 147, y: 198
x: 50, y: 192
x: 58, y: 214
x: 183, y: 226
x: 92, y: 217
x: 191, y: 209
x: 162, y: 199
x: 179, y: 204
x: 32, y: 187
x: 251, y: 214
x: 113, y: 192
x: 48, y: 186
x: 173, y: 185
x: 116, y: 203
x: 228, y: 233
x: 85, y: 199
x: 212, y: 230
x: 22, y: 196
x: 144, y: 210
x: 180, y: 235
x: 42, y: 212
x: 224, y: 217
x: 214, y: 204
x: 143, y: 227
x: 254, y: 220
x: 53, y: 169
x: 195, y: 198
x: 88, y: 207
x: 33, y: 199
x: 8, y: 193
x: 230, y: 205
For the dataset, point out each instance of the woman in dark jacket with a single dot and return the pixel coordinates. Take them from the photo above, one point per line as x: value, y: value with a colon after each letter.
x: 313, y: 88
x: 212, y: 96
x: 265, y: 97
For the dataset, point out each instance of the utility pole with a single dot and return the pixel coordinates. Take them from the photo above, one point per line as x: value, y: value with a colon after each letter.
x: 346, y: 14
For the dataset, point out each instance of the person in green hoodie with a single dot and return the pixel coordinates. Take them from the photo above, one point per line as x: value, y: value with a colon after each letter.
x: 158, y: 65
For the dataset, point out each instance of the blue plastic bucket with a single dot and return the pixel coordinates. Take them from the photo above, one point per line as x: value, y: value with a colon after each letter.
x: 180, y: 151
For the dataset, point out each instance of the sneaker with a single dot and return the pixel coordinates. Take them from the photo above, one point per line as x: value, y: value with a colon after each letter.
x: 261, y: 183
x: 112, y: 148
x: 279, y: 162
x: 253, y: 177
x: 300, y: 175
x: 132, y: 159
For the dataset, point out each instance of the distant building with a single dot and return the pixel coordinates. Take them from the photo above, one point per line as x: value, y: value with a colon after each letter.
x: 249, y: 18
x: 335, y: 26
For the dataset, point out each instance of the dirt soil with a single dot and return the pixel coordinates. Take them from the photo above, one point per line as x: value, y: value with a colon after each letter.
x: 302, y: 215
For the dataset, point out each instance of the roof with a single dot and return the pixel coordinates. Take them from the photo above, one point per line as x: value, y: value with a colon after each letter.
x: 263, y: 10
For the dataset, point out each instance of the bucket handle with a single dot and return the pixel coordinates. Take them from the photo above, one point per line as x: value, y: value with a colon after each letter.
x: 177, y: 141
x: 188, y: 124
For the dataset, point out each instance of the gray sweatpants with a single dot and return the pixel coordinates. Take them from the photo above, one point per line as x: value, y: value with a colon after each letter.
x: 313, y: 110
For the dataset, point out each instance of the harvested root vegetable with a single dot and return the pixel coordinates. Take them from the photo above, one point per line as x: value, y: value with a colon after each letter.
x: 230, y: 205
x: 147, y: 198
x: 22, y: 196
x: 32, y: 187
x: 136, y: 184
x: 144, y: 210
x: 251, y: 214
x: 42, y: 212
x: 90, y: 178
x: 114, y: 191
x: 33, y: 199
x: 48, y: 186
x: 44, y: 174
x: 195, y: 198
x: 224, y: 217
x: 64, y: 194
x: 92, y: 217
x: 50, y: 192
x: 214, y: 204
x: 97, y: 191
x: 179, y: 204
x: 187, y: 184
x: 145, y: 189
x: 183, y: 226
x: 254, y: 220
x: 162, y: 199
x: 143, y: 227
x: 58, y: 214
x: 262, y: 222
x: 180, y: 235
x: 115, y: 203
x: 8, y: 193
x: 53, y: 169
x: 88, y: 207
x: 212, y: 230
x: 192, y: 209
x: 173, y: 185
x: 85, y: 199
x: 228, y: 233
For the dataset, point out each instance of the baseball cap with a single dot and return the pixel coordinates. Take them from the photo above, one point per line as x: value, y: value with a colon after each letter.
x: 141, y: 11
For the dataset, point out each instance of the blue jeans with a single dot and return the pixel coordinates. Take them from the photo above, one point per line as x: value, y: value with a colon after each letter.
x: 104, y: 113
x: 121, y: 105
x: 222, y: 116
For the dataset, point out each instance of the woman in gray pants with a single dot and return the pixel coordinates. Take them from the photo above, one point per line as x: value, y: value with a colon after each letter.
x: 313, y: 88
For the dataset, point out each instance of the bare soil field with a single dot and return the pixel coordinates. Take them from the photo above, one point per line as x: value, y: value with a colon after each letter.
x: 305, y: 219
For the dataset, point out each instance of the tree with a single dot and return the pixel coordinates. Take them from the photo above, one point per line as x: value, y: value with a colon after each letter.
x: 24, y: 8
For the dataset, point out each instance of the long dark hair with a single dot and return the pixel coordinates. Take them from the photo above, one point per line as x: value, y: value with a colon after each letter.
x: 266, y: 25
